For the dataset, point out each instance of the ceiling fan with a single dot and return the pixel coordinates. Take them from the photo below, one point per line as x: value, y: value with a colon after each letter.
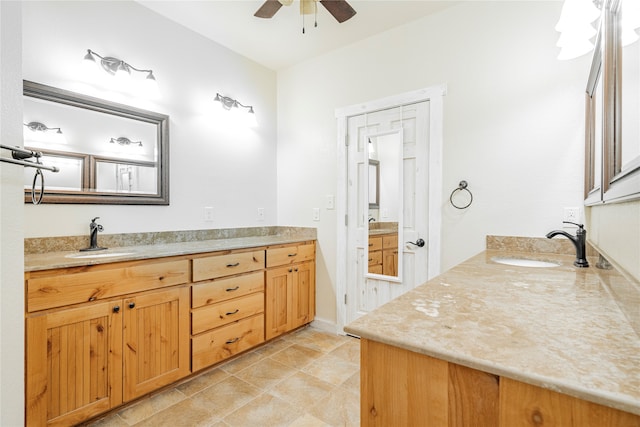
x: 340, y: 9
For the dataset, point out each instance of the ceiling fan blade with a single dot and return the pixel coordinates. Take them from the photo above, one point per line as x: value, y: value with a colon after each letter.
x: 340, y: 9
x: 268, y: 9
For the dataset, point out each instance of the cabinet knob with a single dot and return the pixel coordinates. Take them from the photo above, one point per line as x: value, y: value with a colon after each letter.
x: 116, y: 309
x: 290, y: 270
x: 132, y: 304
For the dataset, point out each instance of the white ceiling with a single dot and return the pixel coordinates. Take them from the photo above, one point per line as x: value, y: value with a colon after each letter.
x: 278, y: 42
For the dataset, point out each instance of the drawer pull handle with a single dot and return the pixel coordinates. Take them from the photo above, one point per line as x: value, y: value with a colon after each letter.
x: 233, y: 265
x: 233, y: 289
x: 370, y: 244
x: 233, y: 312
x: 232, y: 341
x: 291, y: 255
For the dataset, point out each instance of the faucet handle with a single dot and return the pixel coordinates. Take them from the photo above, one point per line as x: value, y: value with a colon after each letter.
x: 577, y: 225
x: 94, y: 219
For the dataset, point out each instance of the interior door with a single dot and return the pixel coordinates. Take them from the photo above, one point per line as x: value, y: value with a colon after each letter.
x: 366, y: 289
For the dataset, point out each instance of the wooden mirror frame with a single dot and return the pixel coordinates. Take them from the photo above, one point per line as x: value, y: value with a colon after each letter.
x: 86, y: 195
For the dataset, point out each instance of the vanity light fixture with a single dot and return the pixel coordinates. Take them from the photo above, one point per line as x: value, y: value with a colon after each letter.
x: 234, y: 105
x: 118, y: 68
x: 125, y: 141
x: 43, y: 132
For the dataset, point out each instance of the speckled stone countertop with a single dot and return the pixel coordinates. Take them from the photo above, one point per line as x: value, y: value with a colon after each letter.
x: 150, y: 245
x: 561, y: 328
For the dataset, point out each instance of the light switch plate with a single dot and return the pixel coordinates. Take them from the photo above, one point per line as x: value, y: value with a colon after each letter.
x: 260, y: 214
x: 316, y: 214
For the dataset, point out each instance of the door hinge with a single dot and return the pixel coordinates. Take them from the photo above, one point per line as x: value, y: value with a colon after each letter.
x: 346, y: 140
x: 345, y: 299
x: 346, y: 220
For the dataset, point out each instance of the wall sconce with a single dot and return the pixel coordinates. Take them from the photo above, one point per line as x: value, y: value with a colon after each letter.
x: 234, y: 105
x: 125, y: 141
x: 41, y: 133
x: 120, y: 69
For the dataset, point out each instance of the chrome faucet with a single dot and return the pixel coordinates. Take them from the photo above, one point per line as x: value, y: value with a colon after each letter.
x: 579, y: 241
x: 94, y: 227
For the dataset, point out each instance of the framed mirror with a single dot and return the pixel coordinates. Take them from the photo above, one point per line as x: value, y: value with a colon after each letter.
x: 594, y: 118
x: 623, y: 166
x: 107, y: 153
x: 383, y: 187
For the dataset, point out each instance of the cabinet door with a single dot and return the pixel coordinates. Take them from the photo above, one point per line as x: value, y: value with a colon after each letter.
x: 304, y: 294
x: 278, y: 301
x: 73, y: 364
x: 156, y: 340
x: 390, y: 262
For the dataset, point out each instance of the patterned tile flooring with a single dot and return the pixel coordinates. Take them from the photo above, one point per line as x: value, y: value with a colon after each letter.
x: 306, y: 378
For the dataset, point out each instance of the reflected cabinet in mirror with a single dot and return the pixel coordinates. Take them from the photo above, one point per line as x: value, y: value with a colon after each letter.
x: 384, y: 205
x: 613, y: 111
x: 107, y: 153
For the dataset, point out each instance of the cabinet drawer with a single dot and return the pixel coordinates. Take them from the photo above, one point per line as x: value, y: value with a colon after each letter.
x: 73, y: 288
x: 213, y: 316
x: 390, y: 241
x: 375, y: 258
x: 375, y: 243
x: 290, y: 254
x: 224, y: 342
x: 227, y: 265
x: 224, y: 289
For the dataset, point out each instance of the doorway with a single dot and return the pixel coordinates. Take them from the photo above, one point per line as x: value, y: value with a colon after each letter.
x: 391, y: 202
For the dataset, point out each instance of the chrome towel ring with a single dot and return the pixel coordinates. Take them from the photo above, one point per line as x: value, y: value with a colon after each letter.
x: 462, y: 186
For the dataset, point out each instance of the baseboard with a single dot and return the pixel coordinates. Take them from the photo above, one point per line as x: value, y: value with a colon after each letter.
x: 326, y: 326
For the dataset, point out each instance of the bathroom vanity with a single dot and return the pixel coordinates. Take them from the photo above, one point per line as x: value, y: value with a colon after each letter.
x: 102, y: 331
x: 489, y: 344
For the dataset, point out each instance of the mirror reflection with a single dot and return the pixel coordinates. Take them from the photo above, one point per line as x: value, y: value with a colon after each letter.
x: 106, y: 152
x: 384, y: 204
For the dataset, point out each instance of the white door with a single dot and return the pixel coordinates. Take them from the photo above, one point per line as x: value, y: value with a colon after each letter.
x: 417, y: 128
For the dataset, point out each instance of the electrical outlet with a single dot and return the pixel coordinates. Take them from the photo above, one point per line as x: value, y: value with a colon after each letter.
x: 572, y: 215
x: 260, y: 214
x: 331, y: 201
x: 208, y: 214
x: 316, y: 214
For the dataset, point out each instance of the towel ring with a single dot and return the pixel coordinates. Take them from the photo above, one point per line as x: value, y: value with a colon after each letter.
x: 462, y: 186
x: 36, y: 199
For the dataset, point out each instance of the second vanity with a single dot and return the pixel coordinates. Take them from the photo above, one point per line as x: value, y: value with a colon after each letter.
x: 489, y: 344
x: 106, y: 328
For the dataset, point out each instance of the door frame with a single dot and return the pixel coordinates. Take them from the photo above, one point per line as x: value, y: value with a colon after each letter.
x: 433, y: 94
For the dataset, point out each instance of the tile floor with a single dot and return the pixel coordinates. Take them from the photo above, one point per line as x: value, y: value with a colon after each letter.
x: 306, y: 378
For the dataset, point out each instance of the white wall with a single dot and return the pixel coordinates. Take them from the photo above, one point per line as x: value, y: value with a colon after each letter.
x: 233, y: 170
x: 11, y: 223
x: 513, y: 123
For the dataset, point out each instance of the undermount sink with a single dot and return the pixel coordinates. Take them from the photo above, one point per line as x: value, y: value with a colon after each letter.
x: 97, y: 255
x: 524, y: 262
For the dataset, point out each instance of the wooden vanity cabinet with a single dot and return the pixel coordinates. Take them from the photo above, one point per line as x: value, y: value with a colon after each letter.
x: 99, y: 336
x: 383, y: 254
x: 399, y: 387
x: 87, y: 358
x: 290, y: 288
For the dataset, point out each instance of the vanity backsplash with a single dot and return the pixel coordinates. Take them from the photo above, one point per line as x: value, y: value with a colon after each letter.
x: 40, y: 245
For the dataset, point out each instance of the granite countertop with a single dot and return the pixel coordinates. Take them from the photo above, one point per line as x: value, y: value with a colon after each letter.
x: 560, y: 328
x: 62, y: 259
x: 381, y: 231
